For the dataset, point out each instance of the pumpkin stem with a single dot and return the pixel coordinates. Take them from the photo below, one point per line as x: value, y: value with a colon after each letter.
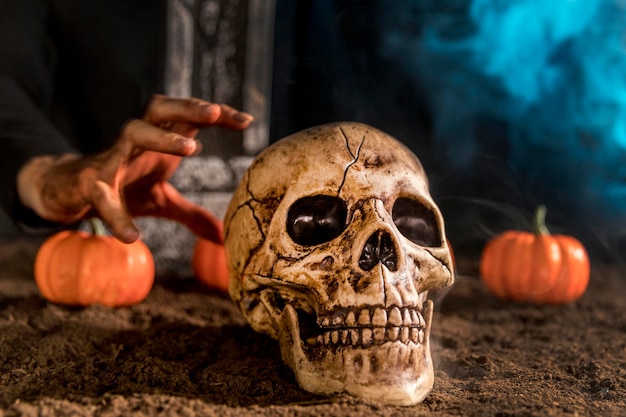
x: 540, y: 221
x: 98, y: 227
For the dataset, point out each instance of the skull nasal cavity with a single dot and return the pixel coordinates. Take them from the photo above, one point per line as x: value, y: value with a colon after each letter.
x: 379, y: 248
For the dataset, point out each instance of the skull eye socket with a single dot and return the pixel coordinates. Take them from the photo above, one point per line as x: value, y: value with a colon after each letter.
x: 416, y: 222
x: 316, y: 219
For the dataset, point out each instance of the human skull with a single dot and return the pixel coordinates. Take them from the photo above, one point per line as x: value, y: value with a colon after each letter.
x: 333, y: 242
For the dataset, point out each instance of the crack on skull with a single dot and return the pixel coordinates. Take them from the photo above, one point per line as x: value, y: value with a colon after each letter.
x: 248, y: 203
x: 325, y: 264
x: 254, y: 216
x: 255, y: 249
x: 355, y: 158
x: 291, y: 259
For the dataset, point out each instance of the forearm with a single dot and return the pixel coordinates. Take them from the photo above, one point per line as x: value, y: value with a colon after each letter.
x: 27, y: 66
x: 31, y: 181
x: 25, y: 134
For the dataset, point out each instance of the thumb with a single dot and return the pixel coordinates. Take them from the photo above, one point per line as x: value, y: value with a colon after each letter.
x: 199, y: 220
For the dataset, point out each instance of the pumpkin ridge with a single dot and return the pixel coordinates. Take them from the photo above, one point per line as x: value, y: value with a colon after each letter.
x: 555, y: 269
x: 78, y: 268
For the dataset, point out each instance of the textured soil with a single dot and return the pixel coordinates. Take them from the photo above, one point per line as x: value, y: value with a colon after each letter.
x: 187, y: 351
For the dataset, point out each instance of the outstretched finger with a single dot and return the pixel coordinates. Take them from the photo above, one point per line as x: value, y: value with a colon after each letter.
x: 163, y: 110
x: 111, y: 209
x: 138, y: 134
x: 232, y: 118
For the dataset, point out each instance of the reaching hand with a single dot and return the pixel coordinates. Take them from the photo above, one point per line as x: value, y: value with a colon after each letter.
x: 131, y: 178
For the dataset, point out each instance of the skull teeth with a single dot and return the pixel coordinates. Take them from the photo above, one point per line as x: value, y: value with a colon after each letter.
x: 371, y: 326
x: 366, y: 337
x: 374, y: 317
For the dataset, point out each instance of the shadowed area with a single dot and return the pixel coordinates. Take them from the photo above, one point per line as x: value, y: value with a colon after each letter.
x: 188, y: 350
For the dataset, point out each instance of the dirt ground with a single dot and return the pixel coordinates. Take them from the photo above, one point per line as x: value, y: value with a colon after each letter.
x: 187, y: 351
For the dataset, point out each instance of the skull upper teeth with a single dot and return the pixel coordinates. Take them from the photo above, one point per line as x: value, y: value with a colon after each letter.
x: 370, y: 326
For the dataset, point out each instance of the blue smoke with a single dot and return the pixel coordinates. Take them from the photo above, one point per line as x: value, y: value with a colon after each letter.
x: 550, y: 73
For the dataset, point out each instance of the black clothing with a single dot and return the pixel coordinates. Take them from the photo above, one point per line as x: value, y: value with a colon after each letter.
x: 71, y: 73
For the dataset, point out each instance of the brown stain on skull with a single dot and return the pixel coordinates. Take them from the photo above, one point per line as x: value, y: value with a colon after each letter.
x: 332, y: 288
x: 326, y: 264
x: 377, y: 161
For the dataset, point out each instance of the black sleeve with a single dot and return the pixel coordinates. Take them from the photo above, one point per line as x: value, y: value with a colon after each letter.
x: 27, y: 61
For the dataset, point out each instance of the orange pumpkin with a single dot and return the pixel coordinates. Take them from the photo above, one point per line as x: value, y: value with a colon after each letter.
x: 535, y: 267
x: 209, y: 264
x: 79, y: 268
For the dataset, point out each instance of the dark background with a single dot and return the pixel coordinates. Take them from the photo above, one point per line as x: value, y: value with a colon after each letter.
x: 332, y: 62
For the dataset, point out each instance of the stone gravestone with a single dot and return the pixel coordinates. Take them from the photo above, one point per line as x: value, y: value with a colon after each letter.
x: 221, y: 51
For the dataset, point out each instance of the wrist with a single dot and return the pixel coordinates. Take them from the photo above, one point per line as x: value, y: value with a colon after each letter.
x: 31, y: 180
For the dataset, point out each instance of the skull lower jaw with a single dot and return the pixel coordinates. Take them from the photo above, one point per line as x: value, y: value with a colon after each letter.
x: 393, y: 373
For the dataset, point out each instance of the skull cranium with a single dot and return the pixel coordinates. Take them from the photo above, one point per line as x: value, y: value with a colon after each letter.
x: 333, y: 242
